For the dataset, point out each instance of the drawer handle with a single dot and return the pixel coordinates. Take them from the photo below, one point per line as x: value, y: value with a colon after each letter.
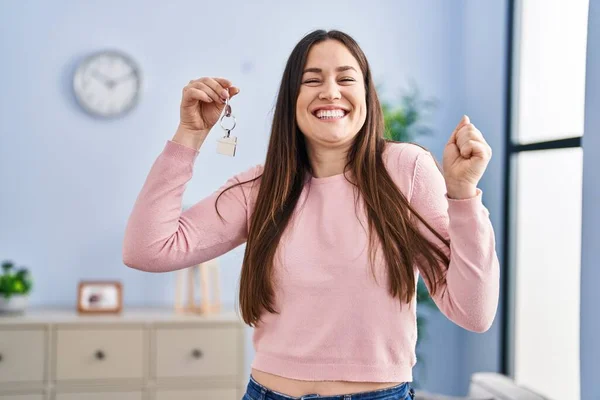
x: 100, y: 355
x: 196, y: 353
x: 0, y: 356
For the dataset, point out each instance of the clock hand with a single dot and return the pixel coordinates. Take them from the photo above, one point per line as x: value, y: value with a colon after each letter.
x: 108, y: 82
x: 124, y: 77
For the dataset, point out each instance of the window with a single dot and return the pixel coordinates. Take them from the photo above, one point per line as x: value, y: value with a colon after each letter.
x: 544, y: 194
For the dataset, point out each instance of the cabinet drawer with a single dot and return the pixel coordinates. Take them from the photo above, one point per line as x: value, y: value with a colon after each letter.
x: 36, y: 396
x: 193, y: 352
x: 99, y: 353
x: 204, y: 394
x: 100, y: 396
x: 22, y: 355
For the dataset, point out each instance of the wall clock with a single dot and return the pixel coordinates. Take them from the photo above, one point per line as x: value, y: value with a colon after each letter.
x: 107, y: 83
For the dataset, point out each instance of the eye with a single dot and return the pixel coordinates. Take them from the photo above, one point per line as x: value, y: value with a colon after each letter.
x: 341, y: 80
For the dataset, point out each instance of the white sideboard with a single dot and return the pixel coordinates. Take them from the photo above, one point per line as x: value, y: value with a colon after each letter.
x: 142, y: 354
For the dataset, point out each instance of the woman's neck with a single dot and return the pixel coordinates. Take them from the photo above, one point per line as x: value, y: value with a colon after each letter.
x: 327, y: 161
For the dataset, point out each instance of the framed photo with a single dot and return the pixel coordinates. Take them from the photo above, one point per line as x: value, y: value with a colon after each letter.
x: 100, y: 297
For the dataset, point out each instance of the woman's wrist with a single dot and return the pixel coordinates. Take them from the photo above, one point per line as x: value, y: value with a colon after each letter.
x: 461, y: 192
x: 192, y: 139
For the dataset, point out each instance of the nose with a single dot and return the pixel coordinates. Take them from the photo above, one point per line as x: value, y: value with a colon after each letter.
x: 330, y: 91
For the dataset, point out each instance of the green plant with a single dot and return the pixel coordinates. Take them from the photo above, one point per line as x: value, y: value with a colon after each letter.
x: 14, y: 281
x: 404, y: 122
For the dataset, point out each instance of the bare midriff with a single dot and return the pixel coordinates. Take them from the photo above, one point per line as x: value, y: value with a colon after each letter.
x: 297, y: 388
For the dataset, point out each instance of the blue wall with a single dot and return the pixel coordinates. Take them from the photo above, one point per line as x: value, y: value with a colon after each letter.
x: 69, y: 181
x: 485, y: 94
x: 590, y: 268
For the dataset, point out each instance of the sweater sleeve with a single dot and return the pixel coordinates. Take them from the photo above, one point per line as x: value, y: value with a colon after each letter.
x: 159, y: 237
x: 469, y: 295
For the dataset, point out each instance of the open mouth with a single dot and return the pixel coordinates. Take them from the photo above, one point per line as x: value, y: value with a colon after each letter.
x: 330, y: 115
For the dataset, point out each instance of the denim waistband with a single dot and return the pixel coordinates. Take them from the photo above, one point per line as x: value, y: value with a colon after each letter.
x: 403, y: 391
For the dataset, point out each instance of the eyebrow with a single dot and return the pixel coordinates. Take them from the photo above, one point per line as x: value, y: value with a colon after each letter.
x: 338, y: 69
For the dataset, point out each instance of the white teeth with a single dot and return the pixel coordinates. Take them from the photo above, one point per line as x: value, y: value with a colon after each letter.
x: 330, y: 114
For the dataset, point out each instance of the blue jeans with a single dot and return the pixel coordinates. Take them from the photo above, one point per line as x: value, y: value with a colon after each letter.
x: 403, y: 391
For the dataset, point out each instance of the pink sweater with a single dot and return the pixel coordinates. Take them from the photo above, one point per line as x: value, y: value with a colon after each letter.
x: 336, y: 322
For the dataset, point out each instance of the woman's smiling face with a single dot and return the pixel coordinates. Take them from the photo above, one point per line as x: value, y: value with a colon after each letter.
x: 331, y: 107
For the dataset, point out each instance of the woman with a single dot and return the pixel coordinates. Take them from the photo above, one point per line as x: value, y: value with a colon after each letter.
x: 339, y: 223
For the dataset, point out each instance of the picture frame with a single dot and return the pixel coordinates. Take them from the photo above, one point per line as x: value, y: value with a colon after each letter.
x: 100, y: 297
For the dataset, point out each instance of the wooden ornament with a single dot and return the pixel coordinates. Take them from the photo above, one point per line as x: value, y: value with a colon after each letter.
x: 202, y: 281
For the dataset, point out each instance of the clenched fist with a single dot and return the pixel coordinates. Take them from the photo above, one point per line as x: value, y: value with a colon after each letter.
x: 465, y: 159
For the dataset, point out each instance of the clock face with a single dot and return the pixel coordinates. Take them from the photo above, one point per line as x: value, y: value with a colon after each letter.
x: 107, y: 84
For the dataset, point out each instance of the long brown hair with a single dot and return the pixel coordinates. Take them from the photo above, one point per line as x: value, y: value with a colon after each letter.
x: 389, y: 213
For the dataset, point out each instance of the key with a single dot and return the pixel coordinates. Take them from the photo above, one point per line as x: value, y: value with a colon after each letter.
x: 227, y: 144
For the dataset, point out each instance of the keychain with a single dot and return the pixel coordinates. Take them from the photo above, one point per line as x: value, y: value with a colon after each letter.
x: 226, y: 144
